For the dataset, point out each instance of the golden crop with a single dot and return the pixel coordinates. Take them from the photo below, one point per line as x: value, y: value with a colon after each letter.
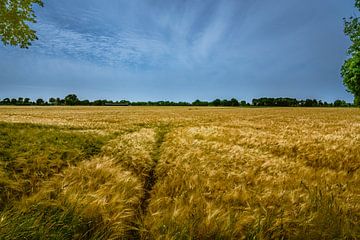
x: 184, y: 173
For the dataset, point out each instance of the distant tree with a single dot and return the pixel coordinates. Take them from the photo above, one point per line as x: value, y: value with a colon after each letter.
x: 311, y: 103
x: 264, y: 102
x: 40, y: 101
x: 85, y: 102
x: 337, y: 103
x: 60, y: 101
x: 15, y: 16
x: 225, y: 102
x: 216, y: 102
x: 243, y: 103
x: 52, y: 101
x: 340, y: 103
x: 200, y: 103
x: 124, y: 102
x: 27, y: 101
x: 350, y: 71
x: 20, y: 101
x: 234, y: 102
x: 6, y: 101
x: 13, y: 101
x: 286, y: 102
x: 71, y: 99
x: 282, y: 102
x: 197, y: 102
x: 99, y: 102
x: 138, y: 103
x: 184, y: 104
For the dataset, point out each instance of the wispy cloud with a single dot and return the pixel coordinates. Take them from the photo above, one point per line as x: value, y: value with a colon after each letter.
x: 124, y: 49
x: 174, y: 38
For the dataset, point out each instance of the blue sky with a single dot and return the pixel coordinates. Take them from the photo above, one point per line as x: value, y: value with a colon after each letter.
x: 182, y: 50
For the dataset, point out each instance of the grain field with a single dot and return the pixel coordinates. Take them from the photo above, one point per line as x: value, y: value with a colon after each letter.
x: 179, y: 173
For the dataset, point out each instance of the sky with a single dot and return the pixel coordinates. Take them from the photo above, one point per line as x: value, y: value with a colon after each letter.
x: 182, y: 50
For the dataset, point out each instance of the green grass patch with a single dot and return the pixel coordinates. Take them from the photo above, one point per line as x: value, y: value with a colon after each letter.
x: 49, y: 220
x: 32, y: 153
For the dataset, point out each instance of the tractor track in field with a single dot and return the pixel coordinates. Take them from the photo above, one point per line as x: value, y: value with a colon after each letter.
x: 150, y: 180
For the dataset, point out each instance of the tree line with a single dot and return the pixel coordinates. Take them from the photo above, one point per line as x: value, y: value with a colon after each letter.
x: 293, y: 102
x: 73, y: 100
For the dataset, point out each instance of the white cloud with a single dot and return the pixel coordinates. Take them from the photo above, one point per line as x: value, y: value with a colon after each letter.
x: 123, y: 49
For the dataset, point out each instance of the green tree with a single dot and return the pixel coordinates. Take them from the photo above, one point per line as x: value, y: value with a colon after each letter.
x: 40, y: 101
x: 197, y: 102
x: 71, y: 99
x: 234, y: 102
x: 216, y: 102
x: 340, y: 103
x: 59, y: 101
x: 52, y: 101
x: 15, y: 16
x: 20, y: 101
x: 350, y: 71
x: 27, y: 101
x: 85, y: 102
x: 225, y: 102
x: 6, y: 101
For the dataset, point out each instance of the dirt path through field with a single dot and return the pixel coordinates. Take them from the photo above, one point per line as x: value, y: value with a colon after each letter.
x: 138, y: 230
x: 152, y: 178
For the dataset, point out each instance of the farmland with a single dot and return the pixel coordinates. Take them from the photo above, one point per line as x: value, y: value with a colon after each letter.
x: 179, y: 173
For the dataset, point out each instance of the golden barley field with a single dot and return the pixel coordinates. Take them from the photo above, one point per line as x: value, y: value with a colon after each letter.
x: 179, y: 173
